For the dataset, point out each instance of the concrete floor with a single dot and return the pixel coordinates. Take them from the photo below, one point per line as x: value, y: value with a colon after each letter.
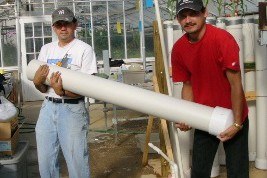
x: 30, y: 111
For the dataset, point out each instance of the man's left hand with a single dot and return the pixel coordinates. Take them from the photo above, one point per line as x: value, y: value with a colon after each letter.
x: 56, y: 83
x: 228, y: 133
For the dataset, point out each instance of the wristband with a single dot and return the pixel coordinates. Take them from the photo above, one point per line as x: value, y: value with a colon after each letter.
x: 239, y: 127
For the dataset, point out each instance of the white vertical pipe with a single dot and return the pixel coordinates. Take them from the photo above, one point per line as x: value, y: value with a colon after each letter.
x: 124, y: 32
x: 108, y: 23
x: 92, y: 25
x: 215, y: 171
x: 234, y: 26
x: 220, y: 22
x: 1, y: 49
x: 177, y: 31
x: 261, y: 102
x: 18, y: 35
x: 168, y: 33
x: 184, y: 137
x: 164, y: 54
x: 142, y: 34
x: 249, y: 43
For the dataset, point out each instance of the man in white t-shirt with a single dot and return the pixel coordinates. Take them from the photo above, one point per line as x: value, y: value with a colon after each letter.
x: 63, y: 120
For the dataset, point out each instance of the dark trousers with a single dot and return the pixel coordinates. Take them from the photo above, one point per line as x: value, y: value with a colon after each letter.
x: 236, y: 150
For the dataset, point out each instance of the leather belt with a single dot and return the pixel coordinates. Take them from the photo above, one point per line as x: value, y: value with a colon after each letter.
x: 61, y: 100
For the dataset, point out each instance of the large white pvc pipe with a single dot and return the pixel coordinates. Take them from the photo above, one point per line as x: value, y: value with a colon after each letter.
x: 168, y: 34
x: 184, y: 137
x: 249, y: 41
x: 215, y: 171
x: 213, y: 120
x: 177, y: 31
x: 261, y: 102
x: 234, y: 26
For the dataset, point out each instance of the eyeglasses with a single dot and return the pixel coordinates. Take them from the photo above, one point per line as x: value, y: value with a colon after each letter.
x: 61, y: 24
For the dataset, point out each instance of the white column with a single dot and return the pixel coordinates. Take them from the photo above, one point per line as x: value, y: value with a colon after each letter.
x: 261, y: 102
x: 250, y: 78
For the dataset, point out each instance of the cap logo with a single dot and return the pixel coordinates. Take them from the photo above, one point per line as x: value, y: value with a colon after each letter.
x: 61, y: 12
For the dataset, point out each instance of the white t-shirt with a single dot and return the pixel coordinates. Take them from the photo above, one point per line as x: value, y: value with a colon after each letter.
x: 80, y: 57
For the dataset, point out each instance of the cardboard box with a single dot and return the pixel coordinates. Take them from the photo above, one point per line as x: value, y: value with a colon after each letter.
x: 8, y: 146
x: 7, y: 129
x: 133, y: 77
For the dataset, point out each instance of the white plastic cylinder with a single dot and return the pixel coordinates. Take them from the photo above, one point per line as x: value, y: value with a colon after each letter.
x: 250, y: 78
x: 177, y: 31
x: 168, y: 34
x: 261, y: 102
x: 215, y: 171
x: 234, y: 27
x: 184, y: 137
x: 213, y: 120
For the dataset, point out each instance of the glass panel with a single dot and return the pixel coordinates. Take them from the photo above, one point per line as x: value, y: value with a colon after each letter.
x: 47, y: 29
x: 38, y: 44
x: 47, y: 40
x: 29, y: 45
x: 117, y: 46
x: 38, y: 29
x: 133, y: 44
x: 9, y: 46
x: 28, y: 30
x: 101, y: 42
x: 30, y: 57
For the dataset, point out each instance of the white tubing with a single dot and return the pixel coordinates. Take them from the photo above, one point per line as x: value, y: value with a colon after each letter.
x: 220, y: 22
x: 234, y: 27
x: 174, y: 168
x: 168, y: 34
x: 221, y: 153
x: 215, y: 171
x: 249, y: 42
x: 261, y: 102
x: 214, y: 120
x: 177, y: 31
x: 184, y: 137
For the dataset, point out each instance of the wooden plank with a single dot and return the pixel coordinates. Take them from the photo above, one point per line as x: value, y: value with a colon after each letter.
x: 148, y: 133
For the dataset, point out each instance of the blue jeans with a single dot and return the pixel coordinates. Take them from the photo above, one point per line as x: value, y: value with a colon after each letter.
x: 236, y: 150
x: 65, y: 126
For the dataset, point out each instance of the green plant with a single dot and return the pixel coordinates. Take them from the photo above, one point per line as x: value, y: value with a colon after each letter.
x: 171, y: 7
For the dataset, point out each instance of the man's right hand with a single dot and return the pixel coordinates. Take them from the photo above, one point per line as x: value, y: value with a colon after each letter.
x: 40, y: 75
x: 182, y: 126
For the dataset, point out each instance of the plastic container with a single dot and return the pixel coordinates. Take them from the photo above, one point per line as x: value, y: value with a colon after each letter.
x: 15, y: 166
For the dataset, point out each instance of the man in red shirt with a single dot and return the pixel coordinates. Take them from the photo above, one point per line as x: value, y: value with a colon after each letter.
x: 206, y: 60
